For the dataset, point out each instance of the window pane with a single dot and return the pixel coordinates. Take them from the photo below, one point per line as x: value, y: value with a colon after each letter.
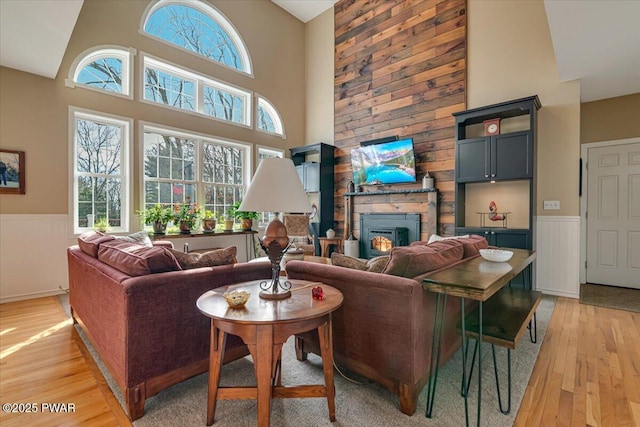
x: 164, y: 169
x: 98, y: 147
x: 265, y: 122
x: 104, y: 73
x: 223, y: 105
x: 168, y: 89
x: 193, y: 30
x: 165, y: 193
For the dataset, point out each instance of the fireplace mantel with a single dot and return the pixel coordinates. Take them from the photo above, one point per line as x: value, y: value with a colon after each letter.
x: 381, y: 192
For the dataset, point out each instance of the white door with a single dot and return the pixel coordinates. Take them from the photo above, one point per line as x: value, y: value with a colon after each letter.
x: 613, y: 215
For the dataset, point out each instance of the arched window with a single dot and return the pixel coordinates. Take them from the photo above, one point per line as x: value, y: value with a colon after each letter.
x: 268, y: 119
x: 199, y: 28
x: 105, y: 68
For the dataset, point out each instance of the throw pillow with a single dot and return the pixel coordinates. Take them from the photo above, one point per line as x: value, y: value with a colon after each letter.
x: 377, y: 264
x: 135, y: 259
x: 141, y: 237
x: 90, y: 241
x: 436, y: 238
x: 206, y: 259
x: 346, y: 261
x: 374, y: 265
x: 412, y: 261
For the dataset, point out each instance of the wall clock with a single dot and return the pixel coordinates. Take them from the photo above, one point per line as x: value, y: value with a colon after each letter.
x: 491, y: 127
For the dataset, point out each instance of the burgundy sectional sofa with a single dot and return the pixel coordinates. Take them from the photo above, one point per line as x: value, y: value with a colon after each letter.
x: 384, y: 328
x: 137, y: 307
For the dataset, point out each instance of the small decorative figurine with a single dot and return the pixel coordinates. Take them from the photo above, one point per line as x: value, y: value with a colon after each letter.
x: 493, y: 212
x: 316, y: 293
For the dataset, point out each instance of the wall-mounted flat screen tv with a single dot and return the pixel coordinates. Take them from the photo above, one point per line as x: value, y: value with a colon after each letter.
x: 387, y: 163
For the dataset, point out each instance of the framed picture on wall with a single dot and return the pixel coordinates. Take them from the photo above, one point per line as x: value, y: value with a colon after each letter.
x: 12, y: 172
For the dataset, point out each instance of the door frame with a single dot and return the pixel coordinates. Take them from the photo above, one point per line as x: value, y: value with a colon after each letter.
x: 584, y: 148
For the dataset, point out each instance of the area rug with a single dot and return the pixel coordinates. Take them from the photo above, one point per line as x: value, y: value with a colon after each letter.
x: 358, y: 401
x: 610, y: 297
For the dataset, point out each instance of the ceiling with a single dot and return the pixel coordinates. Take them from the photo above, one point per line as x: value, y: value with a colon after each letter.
x: 596, y: 41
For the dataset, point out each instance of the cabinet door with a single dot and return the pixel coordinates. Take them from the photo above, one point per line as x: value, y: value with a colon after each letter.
x: 512, y: 239
x: 472, y: 159
x: 512, y: 156
x: 312, y: 177
x: 300, y: 170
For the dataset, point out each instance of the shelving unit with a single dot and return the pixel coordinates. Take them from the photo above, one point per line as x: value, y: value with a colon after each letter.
x: 507, y: 157
x: 315, y: 164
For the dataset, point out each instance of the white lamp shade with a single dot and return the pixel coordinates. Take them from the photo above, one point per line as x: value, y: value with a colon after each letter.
x: 275, y: 187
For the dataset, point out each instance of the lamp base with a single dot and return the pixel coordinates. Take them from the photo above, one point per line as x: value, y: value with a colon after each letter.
x: 277, y: 296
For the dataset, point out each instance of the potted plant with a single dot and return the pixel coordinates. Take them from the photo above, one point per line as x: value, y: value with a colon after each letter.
x: 101, y: 225
x: 246, y: 218
x: 228, y: 222
x: 209, y: 221
x: 158, y: 216
x: 186, y: 215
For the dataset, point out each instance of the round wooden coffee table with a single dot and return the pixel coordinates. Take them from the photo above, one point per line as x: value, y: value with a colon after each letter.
x: 264, y: 326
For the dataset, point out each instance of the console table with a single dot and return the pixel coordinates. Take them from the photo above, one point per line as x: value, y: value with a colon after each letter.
x: 264, y: 325
x: 479, y: 280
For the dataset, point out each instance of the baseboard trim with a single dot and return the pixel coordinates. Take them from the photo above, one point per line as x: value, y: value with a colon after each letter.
x: 558, y: 293
x: 33, y: 295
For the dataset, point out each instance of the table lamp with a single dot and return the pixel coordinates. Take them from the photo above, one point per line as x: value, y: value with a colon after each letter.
x: 275, y: 187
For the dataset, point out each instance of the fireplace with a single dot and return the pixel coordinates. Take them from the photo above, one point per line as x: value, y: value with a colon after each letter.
x: 381, y: 232
x: 383, y: 239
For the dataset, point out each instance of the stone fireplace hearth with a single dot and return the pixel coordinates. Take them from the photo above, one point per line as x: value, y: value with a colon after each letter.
x: 381, y: 232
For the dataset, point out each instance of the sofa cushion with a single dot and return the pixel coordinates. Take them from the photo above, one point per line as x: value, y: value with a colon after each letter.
x: 412, y: 261
x: 135, y: 259
x: 212, y: 258
x: 471, y: 244
x: 375, y: 265
x: 91, y: 240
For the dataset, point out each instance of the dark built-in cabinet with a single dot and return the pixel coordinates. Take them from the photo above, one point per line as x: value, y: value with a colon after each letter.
x: 496, y: 157
x: 314, y: 164
x: 508, y: 156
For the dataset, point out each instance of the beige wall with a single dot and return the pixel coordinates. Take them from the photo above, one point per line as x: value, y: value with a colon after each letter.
x: 610, y: 119
x: 34, y: 110
x: 319, y: 60
x: 511, y: 56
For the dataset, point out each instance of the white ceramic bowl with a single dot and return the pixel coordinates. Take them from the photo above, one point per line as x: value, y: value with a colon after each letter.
x: 496, y: 255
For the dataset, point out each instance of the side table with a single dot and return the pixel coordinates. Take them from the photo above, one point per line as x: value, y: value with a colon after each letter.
x: 264, y: 326
x: 326, y: 241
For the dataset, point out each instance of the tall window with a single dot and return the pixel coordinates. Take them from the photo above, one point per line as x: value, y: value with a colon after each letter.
x: 177, y: 87
x: 268, y: 119
x: 106, y: 69
x: 100, y: 171
x: 206, y: 171
x: 198, y: 28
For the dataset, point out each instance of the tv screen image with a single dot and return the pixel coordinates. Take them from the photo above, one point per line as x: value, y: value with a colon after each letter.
x: 387, y: 163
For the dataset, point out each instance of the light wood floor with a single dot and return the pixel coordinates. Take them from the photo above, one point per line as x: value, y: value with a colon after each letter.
x: 587, y: 372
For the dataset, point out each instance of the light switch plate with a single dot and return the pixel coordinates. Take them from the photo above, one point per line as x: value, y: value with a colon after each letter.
x: 551, y: 204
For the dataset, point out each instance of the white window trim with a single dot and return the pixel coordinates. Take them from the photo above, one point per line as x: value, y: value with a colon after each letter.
x: 126, y: 166
x: 199, y: 80
x: 277, y: 151
x: 97, y: 52
x: 214, y: 14
x: 263, y: 102
x: 200, y: 137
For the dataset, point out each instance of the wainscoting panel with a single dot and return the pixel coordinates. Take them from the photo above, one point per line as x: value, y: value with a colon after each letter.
x: 33, y: 258
x: 558, y: 247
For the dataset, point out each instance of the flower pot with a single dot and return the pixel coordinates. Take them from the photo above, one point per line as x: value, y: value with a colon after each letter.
x: 185, y: 227
x: 228, y: 224
x: 208, y: 225
x: 246, y: 223
x: 159, y: 228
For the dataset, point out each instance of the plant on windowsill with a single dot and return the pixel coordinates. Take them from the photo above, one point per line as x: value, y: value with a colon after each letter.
x: 209, y: 221
x: 158, y: 217
x: 101, y: 225
x: 246, y: 218
x: 186, y: 215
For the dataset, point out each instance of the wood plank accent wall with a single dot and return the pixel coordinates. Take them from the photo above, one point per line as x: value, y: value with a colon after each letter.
x: 400, y: 69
